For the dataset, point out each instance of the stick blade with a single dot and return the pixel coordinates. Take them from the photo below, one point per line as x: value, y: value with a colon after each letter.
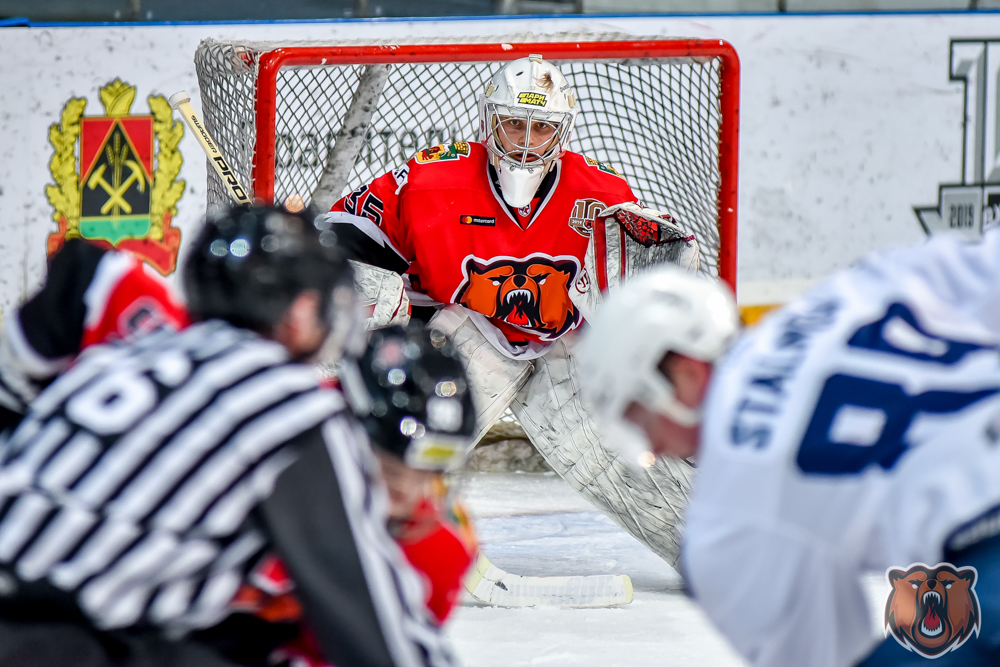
x: 490, y: 585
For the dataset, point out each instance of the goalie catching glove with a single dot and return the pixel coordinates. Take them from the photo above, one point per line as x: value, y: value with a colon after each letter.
x: 646, y: 226
x: 610, y: 260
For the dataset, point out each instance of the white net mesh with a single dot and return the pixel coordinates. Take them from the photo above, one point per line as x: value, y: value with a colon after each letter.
x: 655, y: 121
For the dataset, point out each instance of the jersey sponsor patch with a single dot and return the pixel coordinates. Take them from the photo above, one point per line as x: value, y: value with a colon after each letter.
x: 477, y: 220
x: 584, y: 213
x: 532, y: 99
x: 530, y: 292
x: 606, y: 168
x: 932, y: 610
x: 443, y: 152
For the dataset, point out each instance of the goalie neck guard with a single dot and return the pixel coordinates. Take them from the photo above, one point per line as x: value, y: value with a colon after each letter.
x: 664, y: 310
x: 528, y: 94
x: 411, y: 393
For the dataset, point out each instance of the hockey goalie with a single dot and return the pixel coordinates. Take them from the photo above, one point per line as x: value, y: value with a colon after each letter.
x: 512, y: 240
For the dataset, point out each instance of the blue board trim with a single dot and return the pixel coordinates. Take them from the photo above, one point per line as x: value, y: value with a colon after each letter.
x: 21, y: 22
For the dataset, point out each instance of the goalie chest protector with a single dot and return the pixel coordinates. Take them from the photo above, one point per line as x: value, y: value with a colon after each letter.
x: 465, y: 245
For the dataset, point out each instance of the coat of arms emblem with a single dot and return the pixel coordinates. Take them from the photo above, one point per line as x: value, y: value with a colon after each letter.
x: 116, y: 176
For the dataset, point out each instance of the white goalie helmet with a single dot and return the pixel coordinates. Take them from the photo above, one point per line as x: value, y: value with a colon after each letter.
x: 665, y: 310
x: 530, y: 106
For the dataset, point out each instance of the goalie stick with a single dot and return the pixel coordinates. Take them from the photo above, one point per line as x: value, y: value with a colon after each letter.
x: 490, y: 585
x: 181, y: 101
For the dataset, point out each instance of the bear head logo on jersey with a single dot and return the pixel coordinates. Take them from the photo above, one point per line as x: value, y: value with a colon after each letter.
x: 932, y: 610
x: 531, y: 293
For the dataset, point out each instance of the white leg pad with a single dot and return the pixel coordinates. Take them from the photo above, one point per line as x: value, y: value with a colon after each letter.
x: 494, y: 378
x: 649, y: 504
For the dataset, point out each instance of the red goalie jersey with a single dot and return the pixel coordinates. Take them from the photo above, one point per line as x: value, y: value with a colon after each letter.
x: 442, y: 221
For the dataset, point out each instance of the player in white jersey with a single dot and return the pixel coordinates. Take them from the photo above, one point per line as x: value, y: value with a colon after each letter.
x: 853, y: 431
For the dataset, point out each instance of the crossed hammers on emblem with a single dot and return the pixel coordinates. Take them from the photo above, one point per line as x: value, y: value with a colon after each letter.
x: 116, y: 189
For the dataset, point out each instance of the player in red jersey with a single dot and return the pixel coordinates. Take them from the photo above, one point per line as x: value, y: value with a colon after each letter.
x: 411, y: 395
x: 513, y: 239
x: 91, y: 295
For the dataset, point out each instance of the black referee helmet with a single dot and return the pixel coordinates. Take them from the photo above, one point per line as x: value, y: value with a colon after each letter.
x: 249, y: 263
x: 412, y: 395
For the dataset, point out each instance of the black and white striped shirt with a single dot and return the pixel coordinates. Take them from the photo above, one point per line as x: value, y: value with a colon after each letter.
x: 145, y: 481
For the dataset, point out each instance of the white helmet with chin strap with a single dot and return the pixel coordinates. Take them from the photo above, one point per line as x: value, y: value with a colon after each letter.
x: 532, y: 91
x: 665, y: 310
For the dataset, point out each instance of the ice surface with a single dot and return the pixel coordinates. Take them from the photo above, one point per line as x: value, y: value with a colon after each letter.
x: 493, y: 494
x: 535, y: 524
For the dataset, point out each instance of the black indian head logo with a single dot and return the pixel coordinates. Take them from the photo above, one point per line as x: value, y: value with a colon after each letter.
x: 530, y: 292
x: 932, y: 610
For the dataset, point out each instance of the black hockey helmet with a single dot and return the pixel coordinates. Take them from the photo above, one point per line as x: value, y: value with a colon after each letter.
x: 411, y: 393
x: 250, y: 262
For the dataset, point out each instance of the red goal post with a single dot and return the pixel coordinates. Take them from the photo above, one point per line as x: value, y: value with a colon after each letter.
x: 257, y: 99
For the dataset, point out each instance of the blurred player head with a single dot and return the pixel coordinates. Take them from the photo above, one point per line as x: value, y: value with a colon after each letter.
x: 410, y: 391
x: 647, y: 359
x: 526, y: 117
x: 276, y: 273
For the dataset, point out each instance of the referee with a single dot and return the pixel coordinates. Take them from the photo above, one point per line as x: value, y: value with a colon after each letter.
x: 144, y: 483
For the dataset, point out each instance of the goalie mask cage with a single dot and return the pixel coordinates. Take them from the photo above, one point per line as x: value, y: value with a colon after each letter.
x: 663, y: 112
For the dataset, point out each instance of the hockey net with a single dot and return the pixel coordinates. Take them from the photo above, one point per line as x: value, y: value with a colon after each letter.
x: 318, y: 120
